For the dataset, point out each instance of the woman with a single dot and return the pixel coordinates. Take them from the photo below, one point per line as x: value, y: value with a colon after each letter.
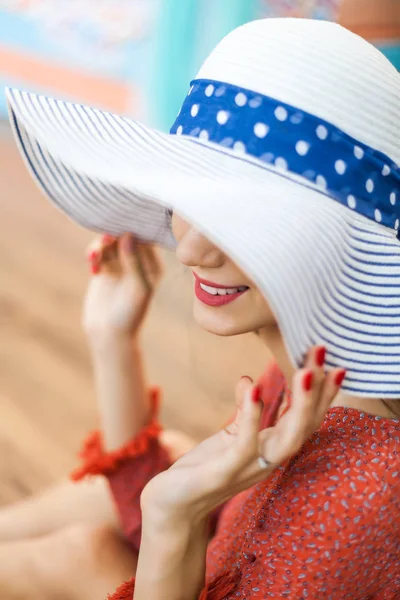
x: 282, y: 182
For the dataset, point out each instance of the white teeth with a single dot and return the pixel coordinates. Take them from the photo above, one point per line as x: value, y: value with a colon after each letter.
x: 209, y: 290
x: 220, y: 291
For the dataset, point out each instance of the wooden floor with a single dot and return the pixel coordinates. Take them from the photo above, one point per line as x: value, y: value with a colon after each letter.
x: 47, y: 402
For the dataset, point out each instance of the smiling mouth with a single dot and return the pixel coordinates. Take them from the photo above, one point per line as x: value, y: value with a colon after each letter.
x: 215, y: 294
x: 217, y: 291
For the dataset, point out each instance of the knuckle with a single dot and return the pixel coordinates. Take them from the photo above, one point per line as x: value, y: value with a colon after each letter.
x: 232, y: 428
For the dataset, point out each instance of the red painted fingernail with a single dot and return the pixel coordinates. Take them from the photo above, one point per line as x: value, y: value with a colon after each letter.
x: 256, y: 394
x: 320, y: 356
x: 339, y: 377
x: 94, y: 268
x: 107, y: 239
x: 308, y: 381
x: 93, y: 255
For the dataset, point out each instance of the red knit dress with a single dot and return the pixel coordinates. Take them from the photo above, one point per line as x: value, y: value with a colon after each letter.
x: 324, y: 525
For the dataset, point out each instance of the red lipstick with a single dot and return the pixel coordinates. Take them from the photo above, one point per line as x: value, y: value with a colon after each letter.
x: 215, y: 299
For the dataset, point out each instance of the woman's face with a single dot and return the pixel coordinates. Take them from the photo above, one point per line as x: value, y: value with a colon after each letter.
x: 226, y: 302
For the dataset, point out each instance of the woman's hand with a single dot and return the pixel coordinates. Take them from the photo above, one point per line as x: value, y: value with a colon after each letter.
x: 228, y: 462
x: 126, y: 275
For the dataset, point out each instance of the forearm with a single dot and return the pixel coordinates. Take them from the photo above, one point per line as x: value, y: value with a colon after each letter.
x: 172, y: 560
x: 121, y: 388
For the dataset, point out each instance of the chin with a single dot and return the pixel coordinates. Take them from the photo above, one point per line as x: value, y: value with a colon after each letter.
x: 221, y: 320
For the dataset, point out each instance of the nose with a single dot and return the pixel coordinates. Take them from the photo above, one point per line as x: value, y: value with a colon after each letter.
x: 195, y: 250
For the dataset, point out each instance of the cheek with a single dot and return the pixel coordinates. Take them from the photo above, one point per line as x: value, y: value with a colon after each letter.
x: 179, y: 227
x: 256, y: 310
x: 264, y: 310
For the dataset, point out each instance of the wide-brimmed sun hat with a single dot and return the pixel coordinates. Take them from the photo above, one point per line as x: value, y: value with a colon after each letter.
x: 285, y: 154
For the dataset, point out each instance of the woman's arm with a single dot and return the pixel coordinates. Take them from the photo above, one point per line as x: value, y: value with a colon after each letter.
x: 176, y: 503
x: 117, y: 299
x: 172, y: 559
x: 122, y: 390
x: 126, y: 450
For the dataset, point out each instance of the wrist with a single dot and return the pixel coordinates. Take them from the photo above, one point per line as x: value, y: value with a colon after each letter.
x: 167, y: 531
x: 170, y: 519
x: 102, y: 343
x: 178, y: 539
x: 172, y: 558
x: 165, y: 500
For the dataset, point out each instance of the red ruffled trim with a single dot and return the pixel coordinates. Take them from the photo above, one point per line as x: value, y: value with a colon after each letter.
x: 124, y: 592
x: 98, y: 462
x: 221, y: 586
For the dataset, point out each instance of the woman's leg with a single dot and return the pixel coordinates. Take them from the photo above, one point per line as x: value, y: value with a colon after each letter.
x: 67, y: 503
x: 62, y: 504
x: 75, y: 563
x: 78, y: 562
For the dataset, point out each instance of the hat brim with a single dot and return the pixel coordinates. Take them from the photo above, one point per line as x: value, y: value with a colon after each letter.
x: 310, y: 256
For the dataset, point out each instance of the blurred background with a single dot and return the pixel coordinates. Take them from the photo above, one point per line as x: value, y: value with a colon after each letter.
x: 133, y: 57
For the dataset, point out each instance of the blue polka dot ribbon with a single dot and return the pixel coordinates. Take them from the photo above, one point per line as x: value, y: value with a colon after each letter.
x: 295, y: 141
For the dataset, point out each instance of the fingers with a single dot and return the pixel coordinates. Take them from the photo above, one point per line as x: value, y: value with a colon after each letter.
x: 132, y: 260
x: 248, y: 446
x: 305, y: 400
x: 293, y: 425
x: 311, y: 398
x: 93, y: 254
x: 240, y: 391
x: 102, y: 255
x: 138, y: 258
x: 316, y: 358
x: 332, y: 384
x: 244, y: 383
x: 248, y: 418
x: 315, y: 361
x: 328, y: 383
x: 124, y: 255
x: 313, y: 391
x: 153, y: 261
x: 128, y: 253
x: 307, y: 387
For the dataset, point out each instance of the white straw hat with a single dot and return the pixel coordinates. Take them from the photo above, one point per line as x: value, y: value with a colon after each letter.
x: 285, y: 154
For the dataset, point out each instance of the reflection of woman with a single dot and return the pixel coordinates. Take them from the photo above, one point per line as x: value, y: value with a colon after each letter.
x: 282, y: 183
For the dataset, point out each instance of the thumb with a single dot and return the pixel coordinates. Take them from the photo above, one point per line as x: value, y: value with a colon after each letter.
x: 243, y: 385
x: 127, y: 249
x: 131, y: 259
